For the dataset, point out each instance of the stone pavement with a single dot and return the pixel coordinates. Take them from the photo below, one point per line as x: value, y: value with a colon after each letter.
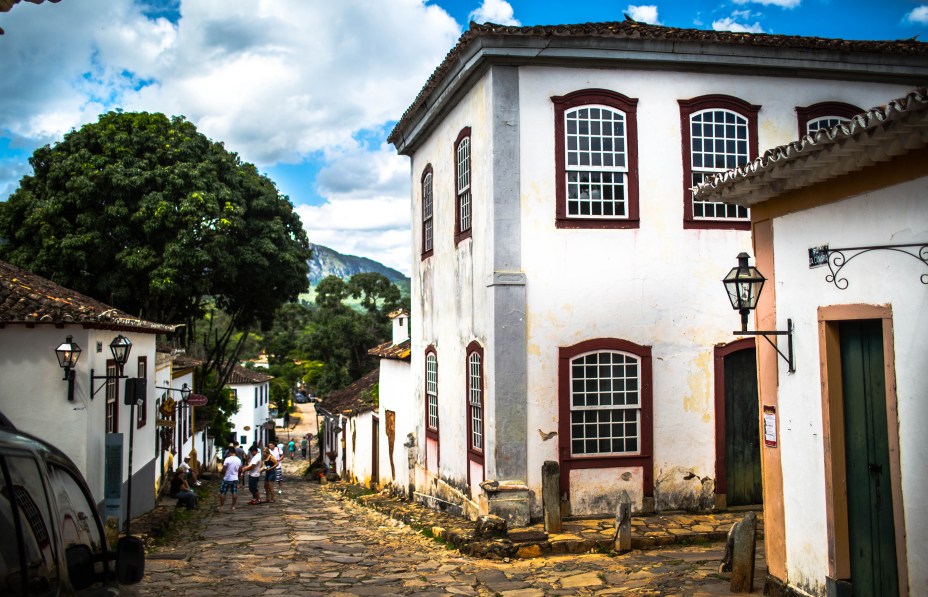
x: 316, y: 542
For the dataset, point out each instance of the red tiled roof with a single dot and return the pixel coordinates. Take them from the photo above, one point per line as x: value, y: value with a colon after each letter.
x: 388, y: 350
x: 243, y: 375
x: 633, y: 30
x: 354, y: 399
x: 28, y: 298
x: 6, y: 5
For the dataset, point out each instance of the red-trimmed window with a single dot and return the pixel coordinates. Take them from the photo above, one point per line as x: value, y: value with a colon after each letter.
x: 112, y: 405
x: 596, y: 157
x: 605, y: 407
x: 824, y: 115
x: 463, y: 216
x: 428, y: 228
x: 431, y: 393
x: 475, y: 416
x: 719, y: 132
x: 141, y: 410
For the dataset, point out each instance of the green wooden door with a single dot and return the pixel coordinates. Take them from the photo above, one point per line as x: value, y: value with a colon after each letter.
x: 869, y: 494
x: 743, y: 481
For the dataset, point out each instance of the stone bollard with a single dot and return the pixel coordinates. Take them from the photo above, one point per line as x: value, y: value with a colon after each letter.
x: 744, y: 541
x: 551, y: 496
x: 623, y: 524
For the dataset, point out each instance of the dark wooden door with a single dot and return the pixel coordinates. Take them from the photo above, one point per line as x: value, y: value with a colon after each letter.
x: 744, y: 485
x: 872, y: 533
x: 375, y: 452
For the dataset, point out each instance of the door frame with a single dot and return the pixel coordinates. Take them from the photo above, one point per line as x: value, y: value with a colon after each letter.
x: 839, y: 563
x: 721, y: 468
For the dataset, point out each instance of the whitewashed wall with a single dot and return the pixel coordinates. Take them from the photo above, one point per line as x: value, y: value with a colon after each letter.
x: 248, y: 414
x: 396, y: 395
x: 898, y: 214
x: 657, y: 286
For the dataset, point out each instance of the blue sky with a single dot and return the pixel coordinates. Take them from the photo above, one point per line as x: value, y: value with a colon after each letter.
x: 309, y: 89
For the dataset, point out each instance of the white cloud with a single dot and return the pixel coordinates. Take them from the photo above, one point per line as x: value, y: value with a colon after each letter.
x: 494, y: 11
x: 729, y: 24
x: 278, y: 81
x: 780, y: 3
x: 918, y: 15
x: 643, y: 14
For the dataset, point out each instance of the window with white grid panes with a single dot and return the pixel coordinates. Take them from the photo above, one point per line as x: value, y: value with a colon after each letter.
x: 112, y: 405
x: 427, y: 230
x: 463, y: 185
x: 431, y: 390
x: 719, y: 141
x: 596, y: 162
x: 605, y: 403
x: 475, y: 400
x: 824, y: 122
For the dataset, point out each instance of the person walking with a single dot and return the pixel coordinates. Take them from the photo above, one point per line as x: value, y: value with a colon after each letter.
x: 230, y: 469
x: 304, y: 443
x: 271, y: 464
x: 278, y: 452
x: 253, y: 470
x: 291, y: 447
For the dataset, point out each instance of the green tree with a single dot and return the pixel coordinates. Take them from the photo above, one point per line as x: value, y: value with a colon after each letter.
x: 147, y: 214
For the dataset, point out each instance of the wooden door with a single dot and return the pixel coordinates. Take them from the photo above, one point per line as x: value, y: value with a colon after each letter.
x: 872, y: 534
x: 743, y: 481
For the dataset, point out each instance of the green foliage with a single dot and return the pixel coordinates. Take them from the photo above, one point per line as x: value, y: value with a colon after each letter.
x: 146, y: 214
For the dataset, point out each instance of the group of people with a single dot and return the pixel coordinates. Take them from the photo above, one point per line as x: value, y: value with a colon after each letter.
x: 264, y: 460
x: 237, y: 466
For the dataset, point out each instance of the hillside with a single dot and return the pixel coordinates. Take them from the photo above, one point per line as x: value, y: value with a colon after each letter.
x: 329, y: 262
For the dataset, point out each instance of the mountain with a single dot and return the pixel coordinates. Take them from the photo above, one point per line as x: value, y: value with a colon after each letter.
x: 329, y: 262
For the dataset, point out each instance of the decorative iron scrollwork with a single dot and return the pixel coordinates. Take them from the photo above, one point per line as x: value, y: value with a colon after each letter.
x: 838, y: 258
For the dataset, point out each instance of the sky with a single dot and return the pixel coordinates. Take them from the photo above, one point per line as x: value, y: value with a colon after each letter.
x: 308, y: 90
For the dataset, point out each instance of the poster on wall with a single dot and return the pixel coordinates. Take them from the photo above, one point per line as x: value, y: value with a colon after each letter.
x: 770, y: 426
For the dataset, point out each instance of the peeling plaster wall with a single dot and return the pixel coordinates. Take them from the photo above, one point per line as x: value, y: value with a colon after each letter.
x: 396, y: 395
x: 898, y: 214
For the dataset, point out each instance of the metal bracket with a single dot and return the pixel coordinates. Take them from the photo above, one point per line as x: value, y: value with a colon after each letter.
x: 94, y: 378
x: 788, y: 357
x: 838, y: 258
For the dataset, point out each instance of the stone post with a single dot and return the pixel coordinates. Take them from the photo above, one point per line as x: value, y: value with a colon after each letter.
x: 551, y: 495
x: 623, y: 524
x: 742, y: 561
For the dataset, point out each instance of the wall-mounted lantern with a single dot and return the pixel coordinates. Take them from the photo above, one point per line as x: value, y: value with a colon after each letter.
x: 68, y: 352
x: 744, y: 284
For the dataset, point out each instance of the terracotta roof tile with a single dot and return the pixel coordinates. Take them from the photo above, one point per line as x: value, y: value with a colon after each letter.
x: 243, y: 375
x: 354, y: 399
x: 388, y: 350
x: 28, y: 298
x: 630, y: 29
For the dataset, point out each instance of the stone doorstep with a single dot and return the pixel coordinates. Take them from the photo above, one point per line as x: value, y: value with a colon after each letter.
x: 533, y: 542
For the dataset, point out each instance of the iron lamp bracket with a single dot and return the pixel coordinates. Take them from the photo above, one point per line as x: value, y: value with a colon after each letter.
x: 788, y: 357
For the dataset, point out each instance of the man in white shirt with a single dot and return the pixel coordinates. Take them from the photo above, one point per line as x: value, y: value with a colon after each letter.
x: 278, y: 452
x: 230, y: 468
x: 253, y: 468
x: 184, y: 467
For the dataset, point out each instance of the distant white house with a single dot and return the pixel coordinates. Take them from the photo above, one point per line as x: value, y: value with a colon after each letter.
x: 397, y: 416
x: 840, y: 231
x: 251, y: 424
x: 565, y: 290
x: 36, y: 317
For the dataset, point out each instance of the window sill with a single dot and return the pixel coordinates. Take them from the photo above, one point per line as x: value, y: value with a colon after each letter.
x: 573, y: 223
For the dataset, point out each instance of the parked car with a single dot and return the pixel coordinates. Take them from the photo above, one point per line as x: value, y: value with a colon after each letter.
x: 300, y: 398
x: 53, y: 540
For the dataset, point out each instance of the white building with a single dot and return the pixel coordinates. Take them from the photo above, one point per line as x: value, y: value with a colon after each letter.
x: 565, y: 293
x: 252, y: 391
x: 36, y: 316
x: 844, y: 453
x: 351, y: 431
x: 396, y: 410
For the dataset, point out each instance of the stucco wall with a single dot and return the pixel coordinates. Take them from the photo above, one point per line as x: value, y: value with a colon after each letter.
x: 248, y: 414
x: 898, y: 214
x: 396, y: 396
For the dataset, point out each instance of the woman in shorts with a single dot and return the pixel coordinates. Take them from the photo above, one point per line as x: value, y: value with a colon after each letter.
x: 271, y: 468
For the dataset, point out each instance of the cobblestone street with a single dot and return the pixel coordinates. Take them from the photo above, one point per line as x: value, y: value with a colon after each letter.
x: 313, y: 542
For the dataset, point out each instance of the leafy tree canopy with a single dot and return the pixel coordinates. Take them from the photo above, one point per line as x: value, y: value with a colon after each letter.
x: 147, y: 214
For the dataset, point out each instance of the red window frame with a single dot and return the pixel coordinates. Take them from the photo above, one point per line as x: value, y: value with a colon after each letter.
x: 111, y: 405
x: 629, y: 107
x: 460, y: 233
x: 645, y: 456
x: 687, y: 109
x: 475, y: 453
x: 427, y: 187
x: 840, y: 109
x: 431, y: 432
x: 142, y: 410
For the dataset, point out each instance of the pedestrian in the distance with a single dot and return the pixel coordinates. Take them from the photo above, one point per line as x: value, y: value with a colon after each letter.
x: 253, y: 469
x: 291, y: 447
x: 304, y: 443
x: 240, y: 452
x: 230, y: 469
x: 271, y: 465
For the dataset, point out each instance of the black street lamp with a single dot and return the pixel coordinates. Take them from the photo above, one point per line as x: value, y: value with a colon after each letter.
x: 68, y: 352
x: 744, y: 285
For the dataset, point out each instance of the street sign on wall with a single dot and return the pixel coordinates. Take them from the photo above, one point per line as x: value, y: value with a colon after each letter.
x: 196, y: 400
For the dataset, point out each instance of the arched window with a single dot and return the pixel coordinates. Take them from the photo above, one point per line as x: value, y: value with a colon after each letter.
x: 462, y: 187
x: 719, y: 133
x: 427, y: 213
x: 475, y: 417
x: 824, y: 115
x: 596, y: 148
x: 431, y: 392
